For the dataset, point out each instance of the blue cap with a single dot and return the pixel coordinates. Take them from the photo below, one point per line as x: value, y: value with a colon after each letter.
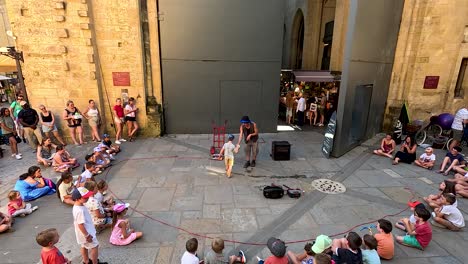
x: 245, y: 119
x: 106, y: 136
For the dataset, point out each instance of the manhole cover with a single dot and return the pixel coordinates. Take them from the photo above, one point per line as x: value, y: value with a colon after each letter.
x: 328, y: 186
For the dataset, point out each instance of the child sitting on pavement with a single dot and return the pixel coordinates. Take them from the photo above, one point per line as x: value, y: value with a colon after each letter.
x: 453, y: 158
x: 86, y: 176
x: 418, y: 235
x: 436, y: 200
x: 122, y: 234
x: 17, y: 207
x: 65, y: 188
x: 321, y: 244
x: 110, y: 148
x: 448, y: 216
x: 412, y: 219
x: 190, y: 255
x: 228, y: 150
x: 323, y: 258
x: 277, y: 248
x: 96, y: 168
x: 370, y: 255
x: 101, y: 219
x: 347, y: 250
x: 101, y: 189
x: 215, y: 254
x: 6, y: 223
x: 50, y: 254
x: 427, y: 159
x: 385, y: 243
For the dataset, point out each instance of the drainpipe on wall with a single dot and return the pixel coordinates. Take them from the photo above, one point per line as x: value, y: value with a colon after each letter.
x: 163, y: 119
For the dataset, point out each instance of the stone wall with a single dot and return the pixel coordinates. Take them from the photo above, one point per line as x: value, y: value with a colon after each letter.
x: 71, y: 48
x: 430, y: 43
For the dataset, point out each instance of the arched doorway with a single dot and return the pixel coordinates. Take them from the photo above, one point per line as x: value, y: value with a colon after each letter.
x: 297, y: 40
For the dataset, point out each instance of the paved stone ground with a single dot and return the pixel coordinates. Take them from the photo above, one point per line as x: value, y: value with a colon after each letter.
x: 172, y: 179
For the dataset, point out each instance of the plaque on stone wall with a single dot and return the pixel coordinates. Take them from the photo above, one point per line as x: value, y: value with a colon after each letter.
x: 121, y: 78
x: 431, y: 82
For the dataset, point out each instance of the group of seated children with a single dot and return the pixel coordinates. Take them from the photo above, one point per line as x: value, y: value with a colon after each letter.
x: 453, y: 160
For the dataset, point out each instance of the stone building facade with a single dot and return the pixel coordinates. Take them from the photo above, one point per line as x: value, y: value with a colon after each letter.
x: 78, y: 49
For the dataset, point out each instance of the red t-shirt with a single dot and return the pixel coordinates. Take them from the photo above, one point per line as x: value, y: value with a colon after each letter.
x: 423, y: 233
x: 53, y: 256
x: 119, y: 110
x: 11, y: 209
x: 276, y: 260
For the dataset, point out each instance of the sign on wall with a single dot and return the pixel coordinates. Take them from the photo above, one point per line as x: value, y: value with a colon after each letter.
x: 121, y: 78
x: 431, y: 82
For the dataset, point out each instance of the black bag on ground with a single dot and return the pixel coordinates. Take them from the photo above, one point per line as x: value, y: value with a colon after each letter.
x: 273, y: 192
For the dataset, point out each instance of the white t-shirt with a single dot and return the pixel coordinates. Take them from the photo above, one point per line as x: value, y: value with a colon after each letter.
x: 99, y: 197
x: 229, y: 150
x: 189, y: 258
x: 426, y: 158
x: 81, y: 216
x: 128, y: 107
x: 461, y: 115
x: 85, y: 175
x: 301, y: 105
x: 453, y: 215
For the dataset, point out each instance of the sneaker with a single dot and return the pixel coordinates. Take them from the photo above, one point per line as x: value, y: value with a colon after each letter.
x: 123, y: 140
x: 242, y: 256
x: 118, y: 142
x: 252, y: 164
x: 111, y: 157
x: 18, y: 157
x: 19, y: 154
x: 35, y: 208
x: 247, y: 164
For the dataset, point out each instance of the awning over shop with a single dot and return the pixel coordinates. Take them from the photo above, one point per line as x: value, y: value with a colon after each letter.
x: 7, y: 64
x: 315, y: 76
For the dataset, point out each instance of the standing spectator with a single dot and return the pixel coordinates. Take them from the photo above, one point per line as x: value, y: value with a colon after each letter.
x: 73, y: 116
x: 50, y: 254
x: 94, y: 119
x: 289, y: 106
x: 29, y: 118
x: 322, y: 108
x: 15, y: 108
x: 119, y: 120
x: 9, y: 131
x: 301, y: 107
x: 48, y: 124
x: 459, y: 122
x: 249, y: 130
x: 84, y: 228
x: 130, y: 117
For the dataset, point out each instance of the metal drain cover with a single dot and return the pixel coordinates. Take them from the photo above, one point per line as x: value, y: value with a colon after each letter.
x: 328, y: 186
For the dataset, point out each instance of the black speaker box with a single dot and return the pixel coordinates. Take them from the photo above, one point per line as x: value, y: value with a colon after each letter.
x: 280, y: 150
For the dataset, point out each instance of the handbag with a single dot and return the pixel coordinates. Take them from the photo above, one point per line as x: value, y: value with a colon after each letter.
x: 293, y: 193
x: 273, y: 192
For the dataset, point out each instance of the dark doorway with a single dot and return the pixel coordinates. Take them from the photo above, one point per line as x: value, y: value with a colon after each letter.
x: 360, y: 113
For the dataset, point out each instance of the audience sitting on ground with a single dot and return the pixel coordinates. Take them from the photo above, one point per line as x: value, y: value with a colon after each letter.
x: 87, y: 174
x: 215, y: 254
x: 96, y: 168
x: 453, y: 158
x: 369, y: 254
x: 461, y: 169
x: 50, y: 254
x: 101, y: 219
x: 99, y: 195
x: 6, y: 223
x: 448, y: 216
x: 412, y: 219
x: 17, y: 207
x: 100, y: 158
x: 387, y: 146
x: 277, y: 248
x: 63, y: 161
x: 347, y: 250
x: 44, y: 152
x: 323, y: 258
x: 461, y: 184
x: 436, y: 200
x: 32, y: 187
x: 110, y: 148
x: 321, y: 244
x: 418, y: 235
x: 427, y: 159
x: 407, y: 152
x: 122, y: 234
x: 385, y: 243
x: 65, y: 188
x: 190, y: 255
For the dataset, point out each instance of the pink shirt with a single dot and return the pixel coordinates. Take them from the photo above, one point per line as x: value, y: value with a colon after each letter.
x: 11, y: 209
x: 119, y: 110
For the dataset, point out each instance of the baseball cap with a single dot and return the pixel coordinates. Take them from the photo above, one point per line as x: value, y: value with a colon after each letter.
x: 81, y: 192
x: 276, y: 246
x: 322, y: 242
x: 106, y: 136
x: 120, y: 207
x: 413, y: 204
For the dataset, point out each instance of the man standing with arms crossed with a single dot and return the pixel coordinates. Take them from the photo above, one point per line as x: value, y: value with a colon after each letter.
x: 250, y: 131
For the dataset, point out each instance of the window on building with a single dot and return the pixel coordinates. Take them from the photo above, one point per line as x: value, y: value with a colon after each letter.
x: 462, y: 80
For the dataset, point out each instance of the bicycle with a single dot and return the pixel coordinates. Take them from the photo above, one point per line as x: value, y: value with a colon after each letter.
x: 463, y: 142
x: 431, y: 129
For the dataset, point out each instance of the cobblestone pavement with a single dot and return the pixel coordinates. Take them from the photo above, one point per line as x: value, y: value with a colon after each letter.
x: 172, y: 179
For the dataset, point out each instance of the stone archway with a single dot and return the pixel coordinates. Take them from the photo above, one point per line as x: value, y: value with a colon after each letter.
x: 297, y: 40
